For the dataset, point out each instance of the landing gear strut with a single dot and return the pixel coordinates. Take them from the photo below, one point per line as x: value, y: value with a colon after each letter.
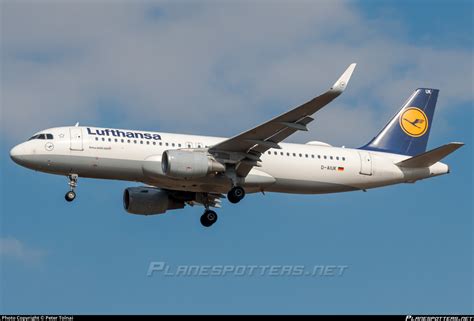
x: 71, y: 195
x: 208, y: 218
x: 236, y: 194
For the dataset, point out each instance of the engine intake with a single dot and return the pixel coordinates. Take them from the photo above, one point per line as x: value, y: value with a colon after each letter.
x: 189, y: 164
x: 148, y: 201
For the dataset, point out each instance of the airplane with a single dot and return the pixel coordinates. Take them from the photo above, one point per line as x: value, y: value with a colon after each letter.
x: 180, y: 170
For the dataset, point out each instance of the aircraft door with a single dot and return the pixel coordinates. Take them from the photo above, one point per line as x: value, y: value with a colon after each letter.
x: 365, y: 163
x: 76, y: 138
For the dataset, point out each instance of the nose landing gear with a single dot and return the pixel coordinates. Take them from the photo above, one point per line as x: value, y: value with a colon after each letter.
x: 71, y: 195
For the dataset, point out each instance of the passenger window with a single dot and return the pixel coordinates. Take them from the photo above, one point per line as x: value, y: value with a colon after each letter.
x: 141, y: 142
x: 110, y: 139
x: 269, y: 153
x: 275, y: 153
x: 287, y: 154
x: 172, y: 144
x: 312, y: 156
x: 330, y: 157
x: 116, y: 140
x: 97, y: 138
x: 281, y: 153
x: 294, y: 154
x: 161, y: 143
x: 343, y: 158
x: 166, y: 144
x: 319, y: 156
x: 154, y: 143
x: 337, y: 157
x: 103, y: 139
x: 179, y: 145
x: 128, y: 141
x: 134, y: 141
x: 306, y: 155
x: 325, y: 157
x: 121, y: 140
x: 301, y: 155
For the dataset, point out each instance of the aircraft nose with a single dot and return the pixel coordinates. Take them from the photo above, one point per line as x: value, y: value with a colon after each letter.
x: 24, y: 155
x: 16, y: 153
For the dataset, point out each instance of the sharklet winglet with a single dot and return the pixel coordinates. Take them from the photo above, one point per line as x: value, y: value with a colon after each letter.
x: 341, y: 84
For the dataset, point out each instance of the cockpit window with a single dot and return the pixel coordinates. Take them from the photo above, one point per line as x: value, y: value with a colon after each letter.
x: 42, y: 136
x: 33, y: 137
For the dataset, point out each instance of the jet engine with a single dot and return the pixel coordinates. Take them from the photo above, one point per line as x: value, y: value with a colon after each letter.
x: 189, y: 164
x: 148, y: 201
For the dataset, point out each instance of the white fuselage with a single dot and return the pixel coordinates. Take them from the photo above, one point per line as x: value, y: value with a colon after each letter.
x: 131, y: 155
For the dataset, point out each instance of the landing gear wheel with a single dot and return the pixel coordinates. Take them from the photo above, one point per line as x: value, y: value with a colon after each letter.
x: 70, y: 196
x: 236, y: 194
x: 208, y: 218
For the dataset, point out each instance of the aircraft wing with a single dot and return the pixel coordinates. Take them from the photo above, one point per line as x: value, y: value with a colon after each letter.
x: 256, y: 141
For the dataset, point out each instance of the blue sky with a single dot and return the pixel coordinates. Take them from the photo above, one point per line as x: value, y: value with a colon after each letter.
x: 408, y: 248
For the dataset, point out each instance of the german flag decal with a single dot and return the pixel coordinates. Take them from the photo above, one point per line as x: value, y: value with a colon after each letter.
x: 340, y: 169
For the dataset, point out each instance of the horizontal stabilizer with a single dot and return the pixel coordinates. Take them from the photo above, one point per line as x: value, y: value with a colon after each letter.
x: 431, y: 157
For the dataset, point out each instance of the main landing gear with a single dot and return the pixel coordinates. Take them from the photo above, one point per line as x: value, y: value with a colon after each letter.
x: 208, y: 218
x: 236, y: 194
x: 71, y: 195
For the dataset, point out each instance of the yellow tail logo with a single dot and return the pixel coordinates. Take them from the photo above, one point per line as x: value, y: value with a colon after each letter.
x: 414, y: 122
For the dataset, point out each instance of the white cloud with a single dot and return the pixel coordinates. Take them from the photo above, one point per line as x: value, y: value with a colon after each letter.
x: 13, y: 248
x: 210, y: 67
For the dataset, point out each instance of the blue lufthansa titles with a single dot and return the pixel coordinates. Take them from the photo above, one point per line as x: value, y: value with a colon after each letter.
x: 122, y: 133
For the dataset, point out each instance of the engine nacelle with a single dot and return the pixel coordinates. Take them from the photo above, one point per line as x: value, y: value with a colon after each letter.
x: 148, y: 201
x: 189, y: 164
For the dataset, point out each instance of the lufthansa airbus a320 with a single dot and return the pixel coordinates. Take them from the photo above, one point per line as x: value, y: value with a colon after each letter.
x: 180, y: 170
